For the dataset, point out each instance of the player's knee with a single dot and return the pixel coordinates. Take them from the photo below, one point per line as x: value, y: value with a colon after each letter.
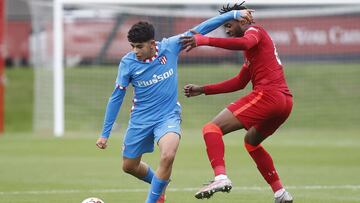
x: 253, y: 137
x: 128, y: 168
x: 167, y: 157
x: 250, y: 147
x: 211, y: 128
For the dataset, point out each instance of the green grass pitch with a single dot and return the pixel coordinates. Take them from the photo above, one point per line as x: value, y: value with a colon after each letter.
x: 316, y: 152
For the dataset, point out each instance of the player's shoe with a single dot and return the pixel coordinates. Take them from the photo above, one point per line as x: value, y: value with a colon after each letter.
x: 223, y: 185
x: 161, y: 199
x: 285, y: 197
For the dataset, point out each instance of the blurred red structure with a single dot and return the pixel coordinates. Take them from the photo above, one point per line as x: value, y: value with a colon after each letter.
x: 2, y: 49
x: 331, y: 36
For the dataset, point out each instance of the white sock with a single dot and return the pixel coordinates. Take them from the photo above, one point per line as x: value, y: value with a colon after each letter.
x: 220, y: 177
x: 279, y: 193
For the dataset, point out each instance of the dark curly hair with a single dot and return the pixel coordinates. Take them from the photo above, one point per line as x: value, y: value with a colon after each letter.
x: 230, y: 8
x: 141, y: 32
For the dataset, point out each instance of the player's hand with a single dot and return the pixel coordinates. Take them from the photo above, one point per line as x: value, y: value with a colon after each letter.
x: 246, y: 15
x: 188, y: 42
x: 191, y: 90
x: 101, y: 143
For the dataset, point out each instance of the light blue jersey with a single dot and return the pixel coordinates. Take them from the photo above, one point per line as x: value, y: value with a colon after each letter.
x: 155, y: 85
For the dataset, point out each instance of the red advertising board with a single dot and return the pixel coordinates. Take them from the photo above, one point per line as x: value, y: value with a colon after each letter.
x: 316, y: 35
x: 320, y: 36
x: 17, y: 39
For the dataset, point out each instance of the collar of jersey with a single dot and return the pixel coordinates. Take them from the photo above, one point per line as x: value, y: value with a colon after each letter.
x: 154, y: 57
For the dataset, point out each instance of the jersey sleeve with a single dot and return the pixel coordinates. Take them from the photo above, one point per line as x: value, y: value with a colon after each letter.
x: 250, y: 39
x: 231, y: 85
x: 215, y: 22
x: 204, y: 28
x: 116, y: 98
x: 112, y: 110
x: 123, y: 76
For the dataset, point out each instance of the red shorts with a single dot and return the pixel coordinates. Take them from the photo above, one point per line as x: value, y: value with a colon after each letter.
x: 265, y: 110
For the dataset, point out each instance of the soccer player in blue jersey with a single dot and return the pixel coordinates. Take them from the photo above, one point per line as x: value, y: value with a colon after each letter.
x: 151, y: 68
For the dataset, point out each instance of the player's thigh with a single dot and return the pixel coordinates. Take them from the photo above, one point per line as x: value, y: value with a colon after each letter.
x: 167, y: 135
x: 168, y: 145
x: 227, y: 122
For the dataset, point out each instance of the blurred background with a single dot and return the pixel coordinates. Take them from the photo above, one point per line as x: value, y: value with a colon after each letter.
x: 318, y: 44
x: 321, y: 38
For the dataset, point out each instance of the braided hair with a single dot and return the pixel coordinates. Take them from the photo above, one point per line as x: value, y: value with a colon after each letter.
x: 228, y: 8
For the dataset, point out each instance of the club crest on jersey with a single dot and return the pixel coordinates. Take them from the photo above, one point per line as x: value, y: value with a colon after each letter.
x: 162, y: 59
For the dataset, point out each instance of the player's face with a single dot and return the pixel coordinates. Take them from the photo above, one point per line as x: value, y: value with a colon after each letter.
x: 143, y: 50
x: 234, y: 28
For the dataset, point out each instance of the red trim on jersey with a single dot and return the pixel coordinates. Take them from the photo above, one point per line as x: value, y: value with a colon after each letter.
x: 120, y: 87
x: 154, y: 57
x: 246, y: 106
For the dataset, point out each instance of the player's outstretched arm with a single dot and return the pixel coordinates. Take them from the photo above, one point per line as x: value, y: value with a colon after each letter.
x: 240, y: 43
x: 231, y: 85
x: 215, y: 22
x: 112, y: 110
x: 210, y: 25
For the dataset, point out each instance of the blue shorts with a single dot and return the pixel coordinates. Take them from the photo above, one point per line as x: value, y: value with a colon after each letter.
x: 139, y: 139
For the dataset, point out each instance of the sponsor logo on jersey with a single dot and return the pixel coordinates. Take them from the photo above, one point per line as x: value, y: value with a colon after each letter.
x: 156, y: 79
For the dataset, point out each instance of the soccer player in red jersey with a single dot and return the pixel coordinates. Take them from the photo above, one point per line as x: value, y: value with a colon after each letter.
x: 260, y: 112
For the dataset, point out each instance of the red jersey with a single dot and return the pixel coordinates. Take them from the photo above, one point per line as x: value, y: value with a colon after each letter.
x: 262, y: 65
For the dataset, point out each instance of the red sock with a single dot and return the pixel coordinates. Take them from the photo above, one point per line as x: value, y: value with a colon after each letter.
x: 215, y: 147
x: 265, y: 165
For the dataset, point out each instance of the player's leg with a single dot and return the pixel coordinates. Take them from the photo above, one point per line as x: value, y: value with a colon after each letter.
x: 225, y: 122
x: 228, y: 120
x: 168, y: 145
x: 138, y: 140
x: 262, y: 158
x: 265, y: 165
x: 138, y: 169
x: 167, y: 136
x: 256, y: 135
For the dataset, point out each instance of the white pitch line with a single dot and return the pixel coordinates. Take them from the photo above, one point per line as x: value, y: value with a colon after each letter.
x: 305, y: 187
